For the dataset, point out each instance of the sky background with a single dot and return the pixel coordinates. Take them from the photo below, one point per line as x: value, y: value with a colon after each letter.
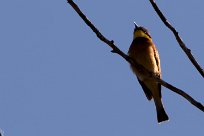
x: 58, y: 79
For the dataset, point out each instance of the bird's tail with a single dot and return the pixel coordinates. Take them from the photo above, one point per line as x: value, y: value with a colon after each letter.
x: 161, y: 115
x: 156, y: 93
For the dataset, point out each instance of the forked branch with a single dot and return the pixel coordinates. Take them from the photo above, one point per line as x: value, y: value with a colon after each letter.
x: 179, y: 40
x: 148, y: 74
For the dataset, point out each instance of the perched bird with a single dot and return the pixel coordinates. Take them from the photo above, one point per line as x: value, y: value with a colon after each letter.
x: 144, y: 52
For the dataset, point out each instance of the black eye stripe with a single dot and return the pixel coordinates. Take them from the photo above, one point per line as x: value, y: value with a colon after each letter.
x: 144, y: 30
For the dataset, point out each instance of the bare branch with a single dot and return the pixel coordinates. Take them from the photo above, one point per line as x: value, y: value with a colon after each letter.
x: 132, y: 62
x: 179, y: 40
x: 182, y: 93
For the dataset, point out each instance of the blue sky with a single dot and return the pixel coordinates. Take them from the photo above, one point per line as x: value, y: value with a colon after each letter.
x: 58, y: 78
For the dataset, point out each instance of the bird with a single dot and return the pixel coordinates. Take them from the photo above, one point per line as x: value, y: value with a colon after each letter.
x: 143, y: 51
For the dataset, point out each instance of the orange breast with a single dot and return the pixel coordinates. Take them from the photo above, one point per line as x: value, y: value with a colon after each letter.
x: 144, y: 54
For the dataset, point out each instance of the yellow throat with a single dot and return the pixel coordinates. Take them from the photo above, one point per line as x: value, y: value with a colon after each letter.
x: 141, y: 33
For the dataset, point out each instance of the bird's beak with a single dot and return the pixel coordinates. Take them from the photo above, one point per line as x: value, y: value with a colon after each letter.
x: 136, y: 26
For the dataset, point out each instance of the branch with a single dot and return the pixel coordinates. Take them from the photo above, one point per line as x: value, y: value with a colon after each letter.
x: 147, y: 73
x: 179, y: 40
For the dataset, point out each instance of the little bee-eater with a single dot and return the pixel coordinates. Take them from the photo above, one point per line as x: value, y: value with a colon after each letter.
x: 144, y: 52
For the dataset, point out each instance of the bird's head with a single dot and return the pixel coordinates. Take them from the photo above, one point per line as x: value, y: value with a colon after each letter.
x: 140, y: 31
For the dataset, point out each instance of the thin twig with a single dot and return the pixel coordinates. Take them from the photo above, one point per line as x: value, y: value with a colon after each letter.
x: 179, y: 40
x: 182, y: 93
x: 147, y: 73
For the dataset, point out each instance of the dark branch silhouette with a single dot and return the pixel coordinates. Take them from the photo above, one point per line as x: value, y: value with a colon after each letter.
x: 147, y: 73
x: 179, y: 40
